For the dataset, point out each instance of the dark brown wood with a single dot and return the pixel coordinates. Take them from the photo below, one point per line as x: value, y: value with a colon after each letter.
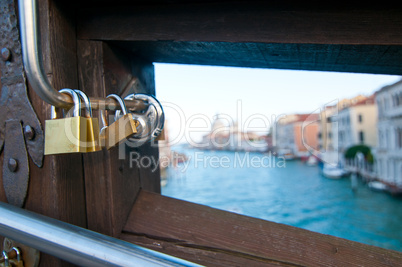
x: 243, y: 21
x: 112, y: 182
x: 57, y: 189
x: 218, y: 238
x: 255, y: 34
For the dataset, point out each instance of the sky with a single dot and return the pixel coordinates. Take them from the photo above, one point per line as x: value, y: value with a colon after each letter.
x: 192, y: 95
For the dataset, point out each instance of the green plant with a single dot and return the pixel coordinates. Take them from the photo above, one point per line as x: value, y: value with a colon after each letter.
x: 351, y: 152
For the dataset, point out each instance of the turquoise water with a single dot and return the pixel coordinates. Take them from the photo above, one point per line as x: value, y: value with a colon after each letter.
x: 294, y: 194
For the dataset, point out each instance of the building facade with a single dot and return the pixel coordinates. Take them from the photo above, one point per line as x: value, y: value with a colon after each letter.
x: 297, y: 134
x: 357, y: 124
x: 389, y: 151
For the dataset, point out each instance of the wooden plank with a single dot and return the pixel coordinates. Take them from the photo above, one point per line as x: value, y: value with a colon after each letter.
x: 111, y: 180
x: 57, y: 189
x: 243, y: 21
x: 281, y: 35
x: 380, y: 59
x: 217, y: 238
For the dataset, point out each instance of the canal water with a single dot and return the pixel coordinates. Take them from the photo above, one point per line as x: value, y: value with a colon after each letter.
x: 288, y: 192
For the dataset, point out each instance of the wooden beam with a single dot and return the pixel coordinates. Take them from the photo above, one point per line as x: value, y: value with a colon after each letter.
x: 112, y: 182
x: 218, y: 238
x: 379, y: 59
x: 244, y: 22
x: 57, y: 189
x: 257, y: 34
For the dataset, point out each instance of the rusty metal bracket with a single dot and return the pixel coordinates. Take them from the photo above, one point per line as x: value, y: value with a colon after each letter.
x: 14, y: 102
x: 15, y: 164
x: 20, y: 129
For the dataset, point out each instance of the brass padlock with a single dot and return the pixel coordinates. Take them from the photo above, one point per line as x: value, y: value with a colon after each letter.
x: 69, y: 134
x: 120, y: 129
x: 92, y: 140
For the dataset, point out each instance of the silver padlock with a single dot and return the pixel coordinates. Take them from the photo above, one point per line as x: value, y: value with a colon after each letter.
x: 151, y: 122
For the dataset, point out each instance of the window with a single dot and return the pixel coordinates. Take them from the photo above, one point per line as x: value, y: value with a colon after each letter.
x: 361, y: 137
x: 380, y: 139
x: 399, y: 138
x: 380, y: 108
x: 387, y: 139
x: 360, y: 118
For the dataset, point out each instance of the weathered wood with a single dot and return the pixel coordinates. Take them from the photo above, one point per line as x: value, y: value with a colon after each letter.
x: 379, y: 59
x: 256, y: 34
x: 243, y: 21
x: 111, y: 183
x: 218, y: 238
x: 57, y: 189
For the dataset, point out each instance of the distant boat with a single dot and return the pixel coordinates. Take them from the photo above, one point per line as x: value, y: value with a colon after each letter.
x: 289, y: 156
x: 333, y: 172
x: 377, y: 186
x: 312, y: 161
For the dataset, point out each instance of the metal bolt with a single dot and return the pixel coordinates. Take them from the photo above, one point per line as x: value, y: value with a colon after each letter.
x: 29, y: 132
x: 12, y: 165
x: 5, y: 54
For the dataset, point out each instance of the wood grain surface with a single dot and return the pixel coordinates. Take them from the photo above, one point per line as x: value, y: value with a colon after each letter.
x: 218, y: 238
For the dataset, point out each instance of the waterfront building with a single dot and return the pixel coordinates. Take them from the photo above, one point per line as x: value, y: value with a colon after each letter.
x: 297, y: 134
x: 349, y: 122
x: 389, y: 151
x: 230, y: 136
x: 353, y: 123
x: 326, y: 139
x: 357, y: 124
x: 218, y: 137
x: 328, y: 133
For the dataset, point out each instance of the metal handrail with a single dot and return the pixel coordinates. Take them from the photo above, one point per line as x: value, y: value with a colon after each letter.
x: 32, y: 59
x: 75, y: 244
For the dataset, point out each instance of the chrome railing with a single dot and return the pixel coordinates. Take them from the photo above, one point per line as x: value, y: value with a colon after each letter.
x: 75, y: 244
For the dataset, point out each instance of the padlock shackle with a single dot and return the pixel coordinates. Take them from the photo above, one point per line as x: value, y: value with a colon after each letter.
x: 76, y: 99
x: 120, y: 101
x: 5, y: 257
x: 87, y: 102
x: 17, y: 251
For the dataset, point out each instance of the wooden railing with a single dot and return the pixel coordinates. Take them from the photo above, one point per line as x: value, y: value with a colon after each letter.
x: 214, y: 237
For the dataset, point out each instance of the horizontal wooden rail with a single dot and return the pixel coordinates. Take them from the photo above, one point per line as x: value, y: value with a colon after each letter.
x: 218, y: 238
x: 257, y: 34
x: 243, y: 21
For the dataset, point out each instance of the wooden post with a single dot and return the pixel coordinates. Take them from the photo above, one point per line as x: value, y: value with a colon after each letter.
x: 57, y: 189
x: 112, y: 181
x: 94, y: 190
